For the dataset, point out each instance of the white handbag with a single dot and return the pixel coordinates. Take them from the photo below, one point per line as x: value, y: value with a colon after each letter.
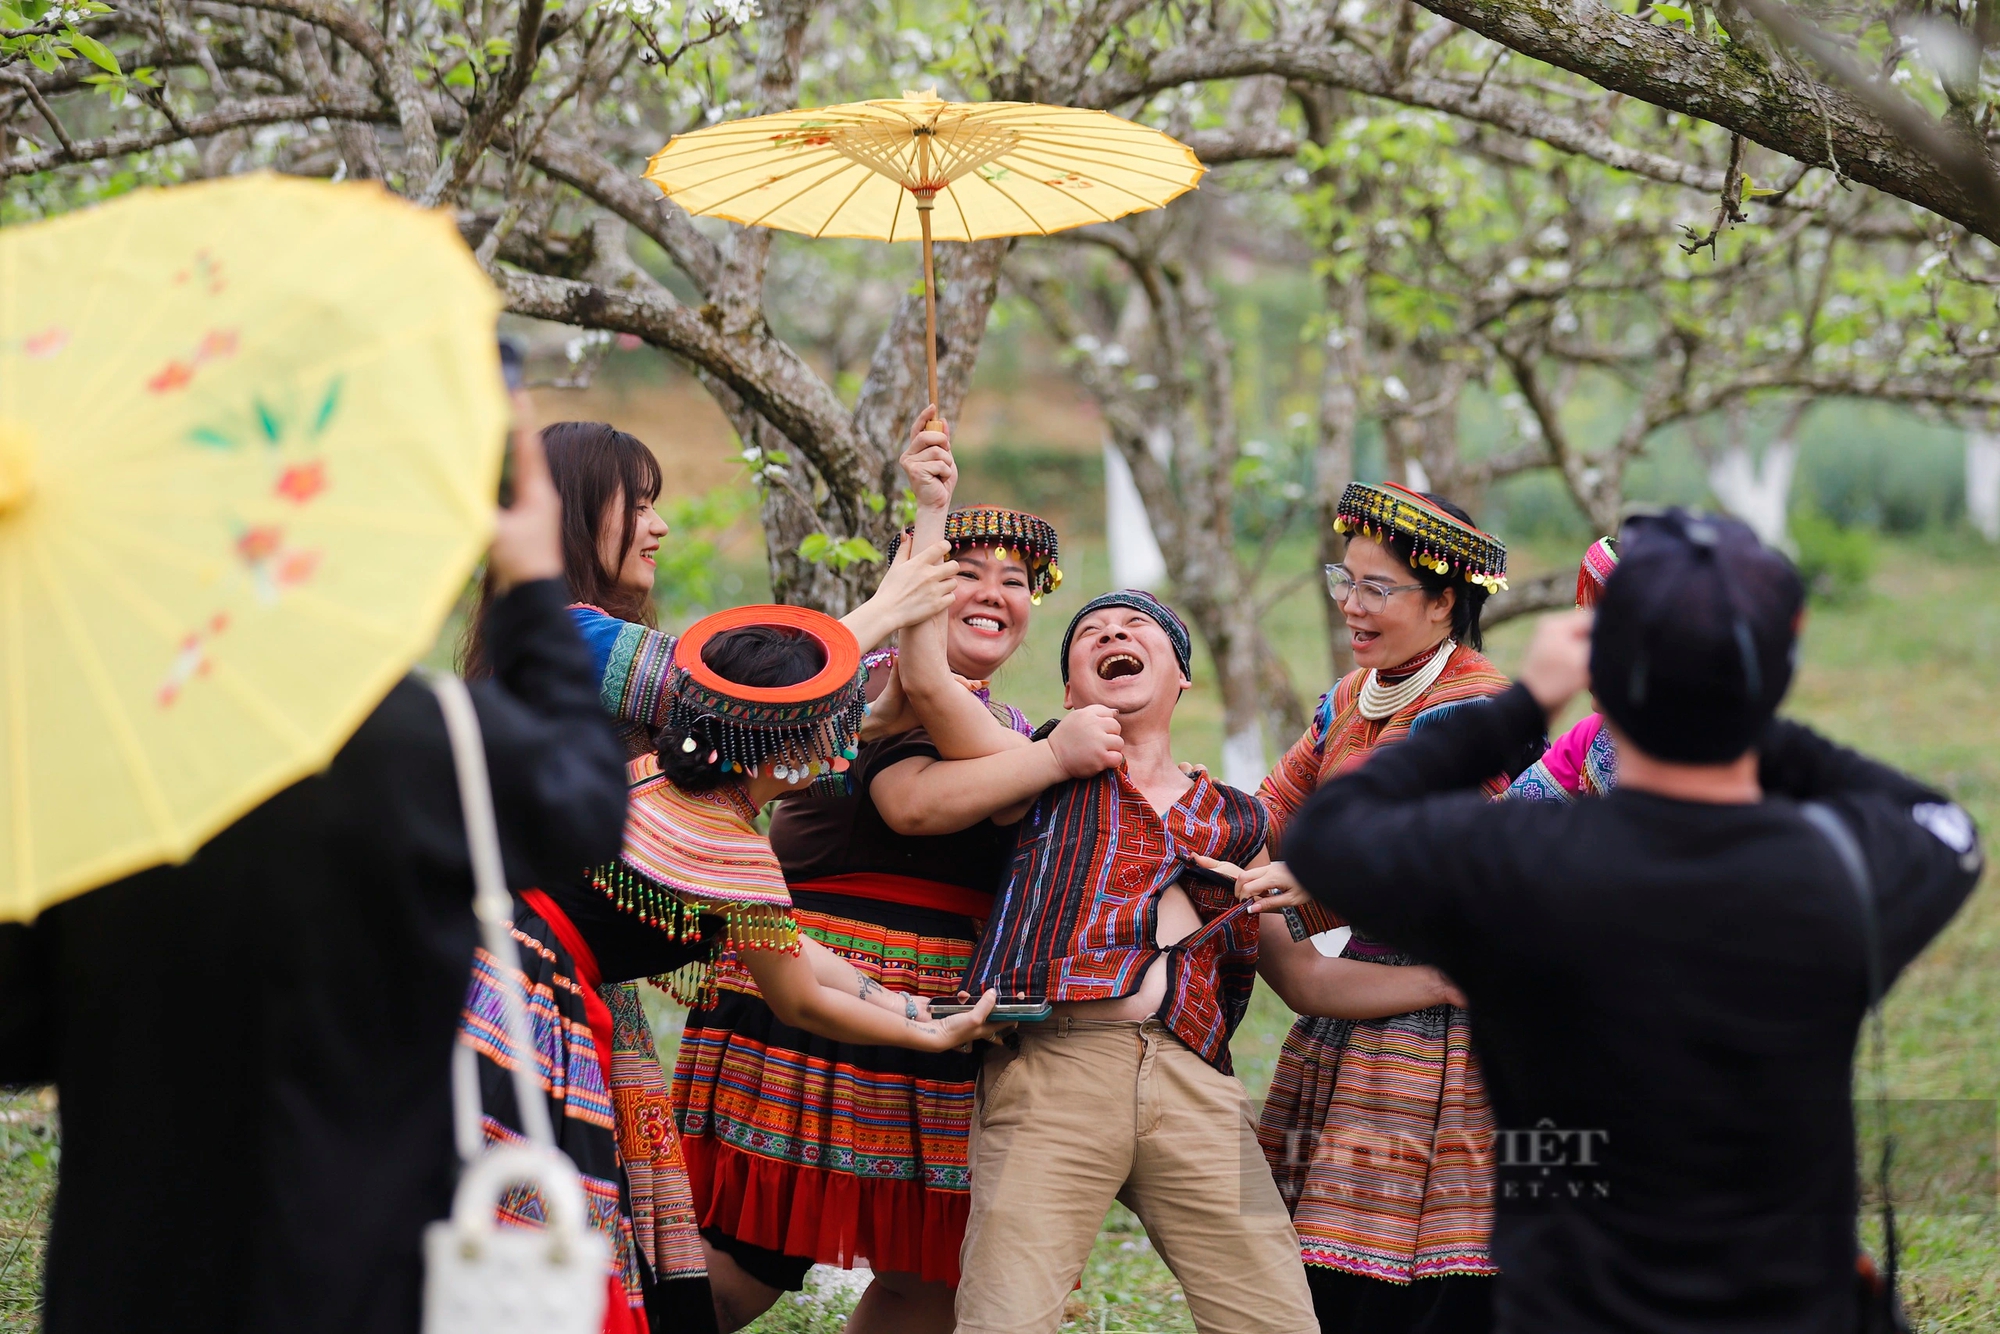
x: 480, y: 1278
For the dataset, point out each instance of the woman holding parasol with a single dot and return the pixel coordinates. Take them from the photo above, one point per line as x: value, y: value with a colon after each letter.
x: 804, y: 1150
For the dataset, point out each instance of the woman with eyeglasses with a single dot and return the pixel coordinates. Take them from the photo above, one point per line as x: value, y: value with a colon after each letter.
x: 1378, y: 1130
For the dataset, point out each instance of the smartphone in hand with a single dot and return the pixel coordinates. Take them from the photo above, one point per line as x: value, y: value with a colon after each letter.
x: 1007, y: 1012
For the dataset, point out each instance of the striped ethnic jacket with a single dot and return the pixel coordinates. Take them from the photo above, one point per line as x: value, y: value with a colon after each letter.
x: 1077, y: 917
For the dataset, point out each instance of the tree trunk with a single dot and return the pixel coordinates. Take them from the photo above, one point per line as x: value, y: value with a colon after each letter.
x: 1333, y: 459
x: 1982, y: 483
x: 1759, y: 491
x: 1136, y: 559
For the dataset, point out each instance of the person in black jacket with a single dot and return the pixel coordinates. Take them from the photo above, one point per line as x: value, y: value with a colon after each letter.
x: 252, y: 1049
x: 1666, y: 984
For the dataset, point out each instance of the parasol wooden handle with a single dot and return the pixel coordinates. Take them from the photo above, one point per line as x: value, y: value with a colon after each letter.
x: 924, y: 201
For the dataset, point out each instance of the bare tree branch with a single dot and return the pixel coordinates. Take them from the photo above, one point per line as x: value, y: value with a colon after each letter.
x: 47, y: 114
x: 1950, y: 144
x: 772, y: 380
x: 634, y: 199
x: 1245, y: 143
x: 357, y: 142
x: 1355, y: 71
x: 1524, y: 597
x: 451, y: 175
x: 228, y: 116
x: 420, y: 150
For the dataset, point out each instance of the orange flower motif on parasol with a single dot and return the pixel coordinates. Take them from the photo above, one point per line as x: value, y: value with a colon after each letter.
x: 250, y: 433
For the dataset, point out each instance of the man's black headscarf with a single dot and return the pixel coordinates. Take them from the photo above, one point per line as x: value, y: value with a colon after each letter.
x: 1139, y: 600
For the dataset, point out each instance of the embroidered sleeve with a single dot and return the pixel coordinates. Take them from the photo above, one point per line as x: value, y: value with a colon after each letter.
x: 1316, y: 917
x: 631, y: 662
x: 1286, y: 790
x: 1288, y: 785
x: 1537, y: 783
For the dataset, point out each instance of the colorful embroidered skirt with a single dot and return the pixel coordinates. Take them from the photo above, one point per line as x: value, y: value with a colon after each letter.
x: 572, y: 1075
x: 825, y: 1151
x: 656, y: 1176
x: 1380, y: 1136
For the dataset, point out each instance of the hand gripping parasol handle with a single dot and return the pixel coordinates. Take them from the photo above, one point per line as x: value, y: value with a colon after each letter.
x: 493, y: 905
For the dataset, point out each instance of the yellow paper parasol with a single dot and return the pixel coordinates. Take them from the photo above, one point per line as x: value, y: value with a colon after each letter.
x: 249, y: 437
x: 879, y: 171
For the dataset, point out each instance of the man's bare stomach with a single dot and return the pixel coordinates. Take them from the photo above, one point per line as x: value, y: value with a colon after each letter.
x: 1177, y: 921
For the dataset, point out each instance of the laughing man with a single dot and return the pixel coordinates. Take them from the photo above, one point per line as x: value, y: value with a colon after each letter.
x: 1126, y: 1091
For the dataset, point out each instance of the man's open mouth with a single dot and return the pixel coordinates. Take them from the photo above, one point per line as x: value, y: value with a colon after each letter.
x: 1119, y: 664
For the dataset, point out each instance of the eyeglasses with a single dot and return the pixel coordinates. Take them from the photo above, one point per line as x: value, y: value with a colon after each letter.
x: 1371, y: 597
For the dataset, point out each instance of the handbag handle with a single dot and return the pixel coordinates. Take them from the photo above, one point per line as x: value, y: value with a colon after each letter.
x: 493, y: 905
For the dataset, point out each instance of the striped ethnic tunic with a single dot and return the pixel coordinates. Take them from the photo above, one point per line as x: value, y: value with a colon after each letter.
x: 1077, y: 916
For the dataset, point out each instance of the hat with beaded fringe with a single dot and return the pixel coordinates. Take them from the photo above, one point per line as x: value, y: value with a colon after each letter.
x: 1438, y: 541
x: 803, y: 730
x: 1005, y: 530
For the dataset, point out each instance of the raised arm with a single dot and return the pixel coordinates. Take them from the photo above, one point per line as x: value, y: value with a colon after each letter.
x: 919, y: 586
x: 959, y: 725
x: 916, y: 588
x: 927, y: 795
x: 1921, y: 847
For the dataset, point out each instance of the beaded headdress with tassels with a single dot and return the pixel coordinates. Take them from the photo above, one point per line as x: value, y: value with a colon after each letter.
x: 802, y: 731
x: 1438, y: 541
x: 1030, y: 536
x: 689, y: 855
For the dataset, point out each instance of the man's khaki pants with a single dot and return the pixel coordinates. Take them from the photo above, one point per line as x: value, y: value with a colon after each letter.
x: 1089, y: 1112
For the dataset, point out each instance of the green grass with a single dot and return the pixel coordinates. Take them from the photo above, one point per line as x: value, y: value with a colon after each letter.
x: 28, y: 1153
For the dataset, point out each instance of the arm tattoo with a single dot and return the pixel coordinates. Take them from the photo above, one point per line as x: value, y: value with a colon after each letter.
x: 868, y: 987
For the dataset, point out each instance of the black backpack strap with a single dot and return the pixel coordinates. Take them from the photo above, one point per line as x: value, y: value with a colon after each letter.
x: 1848, y: 849
x: 1835, y: 831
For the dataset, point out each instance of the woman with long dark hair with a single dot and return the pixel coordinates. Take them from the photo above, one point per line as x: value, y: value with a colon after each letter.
x: 609, y: 483
x: 1378, y: 1130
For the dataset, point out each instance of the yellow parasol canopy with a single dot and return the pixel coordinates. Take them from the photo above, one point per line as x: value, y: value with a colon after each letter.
x: 250, y: 432
x: 918, y: 167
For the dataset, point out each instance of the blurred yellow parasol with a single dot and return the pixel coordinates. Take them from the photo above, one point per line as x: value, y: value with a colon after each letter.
x: 879, y: 171
x: 250, y: 432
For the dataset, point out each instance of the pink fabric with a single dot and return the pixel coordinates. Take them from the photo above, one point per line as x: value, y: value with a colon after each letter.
x: 1565, y: 757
